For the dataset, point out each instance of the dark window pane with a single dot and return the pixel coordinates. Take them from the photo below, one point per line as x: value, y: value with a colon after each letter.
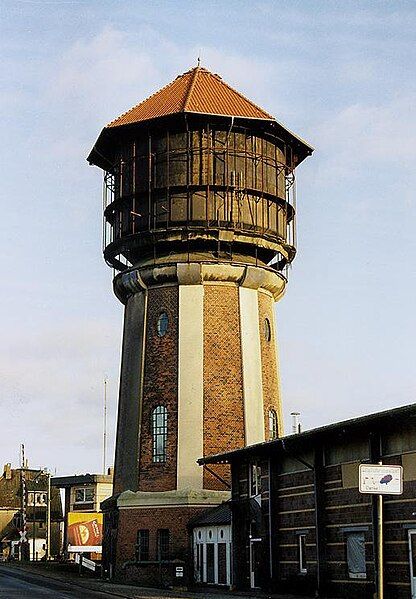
x: 210, y: 563
x: 159, y: 433
x: 356, y: 555
x: 222, y: 563
x: 163, y: 544
x: 142, y: 546
x: 267, y: 329
x: 162, y: 324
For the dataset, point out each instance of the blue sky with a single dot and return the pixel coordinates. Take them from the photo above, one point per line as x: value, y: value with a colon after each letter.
x: 341, y: 75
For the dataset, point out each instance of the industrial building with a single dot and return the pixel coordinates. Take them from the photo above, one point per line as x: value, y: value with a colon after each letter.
x: 299, y: 522
x: 199, y: 220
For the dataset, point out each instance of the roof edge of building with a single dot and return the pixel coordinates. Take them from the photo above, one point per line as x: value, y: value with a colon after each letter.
x: 350, y: 423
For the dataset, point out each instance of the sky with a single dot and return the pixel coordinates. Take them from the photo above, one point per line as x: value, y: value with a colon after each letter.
x: 339, y: 74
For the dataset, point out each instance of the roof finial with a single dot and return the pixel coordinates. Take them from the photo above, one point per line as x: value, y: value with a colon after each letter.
x: 199, y: 58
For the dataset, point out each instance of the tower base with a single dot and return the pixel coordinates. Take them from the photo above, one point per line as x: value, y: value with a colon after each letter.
x: 127, y: 515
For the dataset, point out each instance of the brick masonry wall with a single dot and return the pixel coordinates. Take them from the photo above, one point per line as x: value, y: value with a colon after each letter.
x: 175, y: 519
x: 270, y: 374
x: 160, y: 388
x: 293, y: 510
x: 223, y: 383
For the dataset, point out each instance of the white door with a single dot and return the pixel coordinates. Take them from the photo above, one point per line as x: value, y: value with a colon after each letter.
x: 412, y: 560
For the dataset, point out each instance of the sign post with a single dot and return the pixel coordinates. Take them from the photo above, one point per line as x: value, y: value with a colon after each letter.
x: 376, y: 479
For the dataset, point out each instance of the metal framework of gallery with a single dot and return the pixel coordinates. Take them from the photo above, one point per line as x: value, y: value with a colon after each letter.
x: 205, y: 179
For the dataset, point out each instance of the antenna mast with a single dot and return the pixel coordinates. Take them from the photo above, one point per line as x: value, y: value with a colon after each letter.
x: 105, y: 426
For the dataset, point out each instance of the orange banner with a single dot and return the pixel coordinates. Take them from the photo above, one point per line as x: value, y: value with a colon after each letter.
x: 85, y: 529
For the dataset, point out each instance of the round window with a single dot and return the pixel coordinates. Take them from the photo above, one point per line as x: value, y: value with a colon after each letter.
x: 267, y: 329
x: 162, y: 324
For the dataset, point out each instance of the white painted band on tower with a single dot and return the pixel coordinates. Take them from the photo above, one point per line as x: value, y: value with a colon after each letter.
x: 252, y: 371
x: 190, y: 386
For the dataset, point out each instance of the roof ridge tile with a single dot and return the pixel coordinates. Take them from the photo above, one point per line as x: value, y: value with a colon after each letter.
x: 196, y: 71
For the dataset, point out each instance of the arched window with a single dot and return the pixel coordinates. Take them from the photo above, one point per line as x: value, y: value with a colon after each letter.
x: 162, y: 324
x: 159, y: 433
x: 272, y: 424
x: 267, y: 329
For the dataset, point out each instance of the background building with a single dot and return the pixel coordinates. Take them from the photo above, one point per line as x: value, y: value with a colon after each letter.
x: 199, y: 218
x: 299, y: 521
x: 11, y: 509
x: 83, y: 494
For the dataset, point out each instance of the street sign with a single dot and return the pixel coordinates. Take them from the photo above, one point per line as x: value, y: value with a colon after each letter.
x: 88, y: 563
x: 381, y: 480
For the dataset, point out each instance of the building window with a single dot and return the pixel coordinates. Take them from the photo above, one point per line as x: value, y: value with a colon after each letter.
x: 37, y: 499
x: 356, y: 555
x: 267, y: 329
x: 159, y: 433
x: 163, y: 544
x: 255, y: 479
x: 302, y: 553
x: 272, y: 424
x: 84, y: 495
x: 142, y: 547
x: 162, y: 324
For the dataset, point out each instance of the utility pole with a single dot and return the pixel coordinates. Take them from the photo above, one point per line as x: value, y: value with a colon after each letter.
x: 23, y: 532
x: 48, y: 519
x: 105, y: 427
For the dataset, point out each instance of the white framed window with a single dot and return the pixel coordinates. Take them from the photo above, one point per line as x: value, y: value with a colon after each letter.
x: 84, y: 495
x: 272, y: 425
x: 302, y: 553
x: 37, y: 498
x: 255, y: 479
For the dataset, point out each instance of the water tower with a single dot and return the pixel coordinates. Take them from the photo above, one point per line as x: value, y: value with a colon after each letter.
x: 199, y: 225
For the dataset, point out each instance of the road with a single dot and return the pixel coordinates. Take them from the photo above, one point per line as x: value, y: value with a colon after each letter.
x: 16, y: 584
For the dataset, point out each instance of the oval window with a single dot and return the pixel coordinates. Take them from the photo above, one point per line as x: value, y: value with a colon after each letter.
x: 162, y: 324
x: 267, y: 329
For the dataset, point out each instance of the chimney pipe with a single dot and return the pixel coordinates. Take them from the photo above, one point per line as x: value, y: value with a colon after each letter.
x: 296, y: 426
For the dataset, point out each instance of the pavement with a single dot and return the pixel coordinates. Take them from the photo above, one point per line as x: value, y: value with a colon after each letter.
x: 46, y: 580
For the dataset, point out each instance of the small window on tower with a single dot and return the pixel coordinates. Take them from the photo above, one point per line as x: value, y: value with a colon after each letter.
x: 272, y: 425
x: 159, y: 433
x: 162, y: 324
x: 267, y: 329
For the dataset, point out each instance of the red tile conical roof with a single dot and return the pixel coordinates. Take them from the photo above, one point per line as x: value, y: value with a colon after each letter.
x: 197, y: 90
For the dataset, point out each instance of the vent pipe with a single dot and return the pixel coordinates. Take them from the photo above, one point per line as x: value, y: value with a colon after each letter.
x: 296, y: 426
